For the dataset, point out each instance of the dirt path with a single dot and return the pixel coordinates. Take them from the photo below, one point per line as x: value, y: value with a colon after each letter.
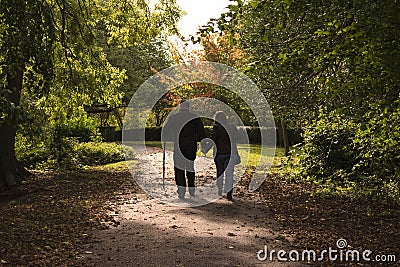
x: 146, y: 232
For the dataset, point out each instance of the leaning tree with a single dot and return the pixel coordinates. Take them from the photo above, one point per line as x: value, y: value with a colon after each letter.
x: 49, y: 48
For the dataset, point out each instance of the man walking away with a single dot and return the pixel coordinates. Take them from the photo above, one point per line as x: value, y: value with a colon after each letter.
x: 185, y: 129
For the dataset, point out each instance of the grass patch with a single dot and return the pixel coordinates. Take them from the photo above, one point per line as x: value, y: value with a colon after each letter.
x: 116, y: 166
x: 154, y: 144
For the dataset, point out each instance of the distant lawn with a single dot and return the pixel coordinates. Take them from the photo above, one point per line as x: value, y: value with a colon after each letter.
x: 253, y: 155
x: 154, y: 144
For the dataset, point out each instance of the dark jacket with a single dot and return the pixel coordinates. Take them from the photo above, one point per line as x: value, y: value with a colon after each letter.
x: 185, y: 129
x: 221, y: 137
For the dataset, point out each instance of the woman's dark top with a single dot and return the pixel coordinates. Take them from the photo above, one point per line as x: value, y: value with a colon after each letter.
x: 221, y: 138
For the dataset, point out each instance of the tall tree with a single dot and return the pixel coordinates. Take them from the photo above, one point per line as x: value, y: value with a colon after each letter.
x: 48, y: 47
x: 27, y: 39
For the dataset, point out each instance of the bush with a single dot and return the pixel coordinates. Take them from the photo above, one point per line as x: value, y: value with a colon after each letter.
x: 30, y: 158
x: 377, y: 143
x: 328, y: 153
x: 29, y: 152
x: 96, y: 153
x: 82, y: 128
x: 74, y: 155
x: 364, y: 157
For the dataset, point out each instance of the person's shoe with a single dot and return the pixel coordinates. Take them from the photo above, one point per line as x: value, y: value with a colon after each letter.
x: 181, y: 192
x: 192, y: 191
x: 229, y: 195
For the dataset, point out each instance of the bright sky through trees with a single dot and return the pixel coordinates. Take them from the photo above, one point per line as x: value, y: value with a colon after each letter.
x: 199, y: 13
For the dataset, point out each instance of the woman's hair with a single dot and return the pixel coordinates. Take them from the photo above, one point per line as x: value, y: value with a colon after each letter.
x: 220, y: 118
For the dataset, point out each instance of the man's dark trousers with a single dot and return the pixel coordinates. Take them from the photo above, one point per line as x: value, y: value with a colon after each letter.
x: 184, y: 167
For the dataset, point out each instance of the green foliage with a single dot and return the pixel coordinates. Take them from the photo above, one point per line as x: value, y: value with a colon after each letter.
x: 41, y: 137
x: 53, y: 62
x: 27, y: 36
x: 29, y: 154
x: 140, y: 61
x: 72, y: 154
x: 328, y: 153
x: 377, y: 143
x: 312, y: 55
x: 135, y: 22
x: 95, y: 153
x: 330, y: 65
x: 340, y: 155
x: 83, y: 128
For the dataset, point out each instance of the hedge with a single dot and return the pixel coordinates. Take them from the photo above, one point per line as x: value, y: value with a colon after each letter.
x: 253, y: 133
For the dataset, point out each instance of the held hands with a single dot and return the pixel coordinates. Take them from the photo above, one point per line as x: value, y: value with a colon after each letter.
x: 206, y: 145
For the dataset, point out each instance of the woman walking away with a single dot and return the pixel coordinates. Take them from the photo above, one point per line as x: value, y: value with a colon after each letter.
x: 224, y: 136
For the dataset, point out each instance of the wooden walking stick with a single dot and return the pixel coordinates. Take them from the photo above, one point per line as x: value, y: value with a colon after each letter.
x: 163, y: 167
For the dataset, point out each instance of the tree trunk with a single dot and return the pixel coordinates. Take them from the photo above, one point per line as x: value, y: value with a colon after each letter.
x: 8, y: 161
x: 285, y: 137
x: 280, y: 134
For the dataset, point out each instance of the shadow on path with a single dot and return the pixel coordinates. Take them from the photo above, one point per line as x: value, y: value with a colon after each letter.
x: 222, y: 233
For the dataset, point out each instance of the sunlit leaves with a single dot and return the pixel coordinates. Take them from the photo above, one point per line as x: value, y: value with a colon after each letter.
x: 134, y: 22
x: 58, y: 46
